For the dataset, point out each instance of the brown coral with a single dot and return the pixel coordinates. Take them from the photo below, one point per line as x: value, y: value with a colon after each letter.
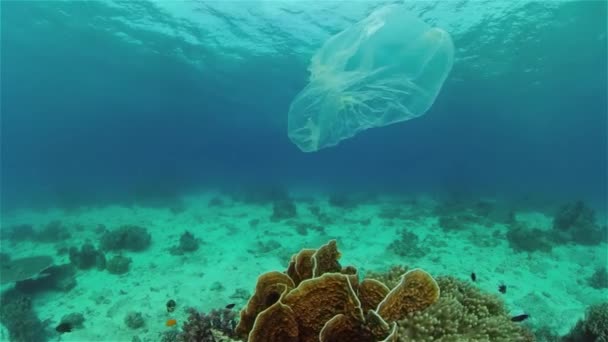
x: 394, y: 335
x: 315, y: 301
x: 377, y: 325
x: 348, y: 328
x: 325, y: 259
x: 416, y: 291
x: 269, y: 288
x: 275, y: 324
x: 301, y: 266
x: 371, y: 293
x: 345, y: 328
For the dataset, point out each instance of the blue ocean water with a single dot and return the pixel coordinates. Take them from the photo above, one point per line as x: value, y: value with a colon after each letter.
x: 167, y: 120
x: 101, y: 97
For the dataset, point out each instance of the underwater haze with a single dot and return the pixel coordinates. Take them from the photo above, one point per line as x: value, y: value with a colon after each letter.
x: 101, y: 97
x: 157, y: 156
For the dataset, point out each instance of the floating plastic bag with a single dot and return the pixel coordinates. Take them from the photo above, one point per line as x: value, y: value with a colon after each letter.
x: 387, y: 68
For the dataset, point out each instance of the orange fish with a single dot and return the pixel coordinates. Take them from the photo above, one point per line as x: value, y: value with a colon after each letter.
x: 171, y: 322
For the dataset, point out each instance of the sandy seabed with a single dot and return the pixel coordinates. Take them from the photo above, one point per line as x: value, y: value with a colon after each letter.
x: 240, y: 241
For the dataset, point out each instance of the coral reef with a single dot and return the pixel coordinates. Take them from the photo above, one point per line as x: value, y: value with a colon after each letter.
x: 408, y: 245
x: 128, y: 237
x: 593, y: 328
x: 87, y: 257
x: 118, y: 264
x: 390, y: 278
x: 54, y: 231
x: 134, y: 320
x: 18, y: 316
x: 462, y: 313
x: 75, y: 319
x: 420, y: 289
x: 217, y: 326
x: 316, y: 298
x: 546, y: 334
x: 222, y: 320
x: 576, y: 222
x: 187, y: 243
x: 599, y: 278
x: 371, y: 293
x: 524, y: 239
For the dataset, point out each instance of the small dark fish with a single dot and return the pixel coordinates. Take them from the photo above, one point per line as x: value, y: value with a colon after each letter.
x: 519, y: 318
x: 171, y: 305
x: 230, y: 306
x: 502, y: 288
x: 64, y: 327
x: 473, y: 276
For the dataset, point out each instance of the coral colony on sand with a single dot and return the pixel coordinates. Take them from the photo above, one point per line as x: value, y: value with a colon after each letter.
x: 317, y: 299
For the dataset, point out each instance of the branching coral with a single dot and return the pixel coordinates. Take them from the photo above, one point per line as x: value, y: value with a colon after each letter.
x: 217, y: 326
x: 462, y: 313
x: 593, y: 328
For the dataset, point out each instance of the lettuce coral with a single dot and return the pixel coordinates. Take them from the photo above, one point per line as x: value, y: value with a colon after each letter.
x: 317, y: 299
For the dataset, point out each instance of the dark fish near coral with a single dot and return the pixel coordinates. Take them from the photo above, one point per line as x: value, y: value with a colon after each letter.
x: 473, y: 276
x: 171, y: 305
x: 64, y: 327
x: 230, y: 306
x: 502, y: 288
x: 519, y: 318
